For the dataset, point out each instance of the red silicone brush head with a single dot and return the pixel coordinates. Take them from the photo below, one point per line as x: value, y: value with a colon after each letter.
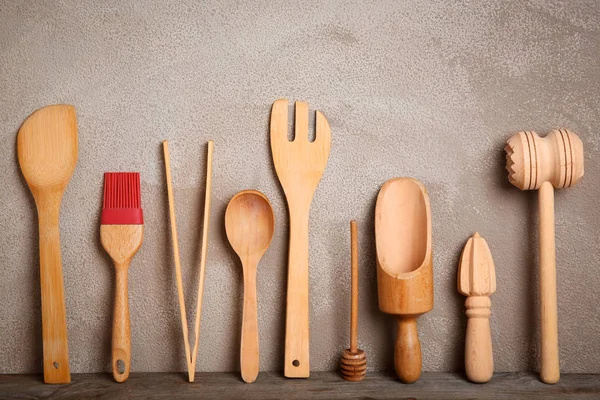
x: 122, y: 199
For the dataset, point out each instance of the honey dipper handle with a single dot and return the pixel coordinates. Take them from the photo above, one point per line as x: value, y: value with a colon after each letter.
x: 354, y: 290
x: 407, y: 353
x: 549, y: 364
x: 479, y: 359
x: 121, y: 338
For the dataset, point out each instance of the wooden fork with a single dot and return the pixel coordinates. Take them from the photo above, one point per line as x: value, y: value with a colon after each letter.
x: 299, y: 165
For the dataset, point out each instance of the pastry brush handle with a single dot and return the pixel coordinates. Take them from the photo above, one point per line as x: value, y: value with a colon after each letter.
x: 407, y: 352
x: 121, y: 339
x: 549, y: 364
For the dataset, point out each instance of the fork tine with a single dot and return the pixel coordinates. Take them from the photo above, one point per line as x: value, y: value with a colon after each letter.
x: 279, y: 120
x: 323, y: 134
x: 301, y: 125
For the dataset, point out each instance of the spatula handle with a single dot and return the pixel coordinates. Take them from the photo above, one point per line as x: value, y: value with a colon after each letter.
x: 549, y: 368
x: 296, y: 327
x: 121, y: 332
x: 54, y: 315
x: 407, y: 352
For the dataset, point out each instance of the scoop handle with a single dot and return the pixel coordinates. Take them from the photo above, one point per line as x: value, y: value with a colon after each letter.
x: 549, y: 363
x: 54, y: 314
x: 407, y: 352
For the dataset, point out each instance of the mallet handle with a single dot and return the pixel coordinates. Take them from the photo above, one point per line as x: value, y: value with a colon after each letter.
x: 549, y: 364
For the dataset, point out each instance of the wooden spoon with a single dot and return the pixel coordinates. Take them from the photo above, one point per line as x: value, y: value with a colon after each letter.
x: 47, y: 152
x: 404, y: 266
x: 249, y: 223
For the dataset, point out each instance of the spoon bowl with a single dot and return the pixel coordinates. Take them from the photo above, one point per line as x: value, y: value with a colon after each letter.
x: 249, y: 224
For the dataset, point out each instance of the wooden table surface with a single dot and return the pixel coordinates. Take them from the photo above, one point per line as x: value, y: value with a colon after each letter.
x: 321, y: 385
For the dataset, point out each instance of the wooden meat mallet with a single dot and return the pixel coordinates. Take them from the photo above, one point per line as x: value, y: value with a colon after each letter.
x: 353, y: 363
x: 477, y: 281
x: 543, y: 163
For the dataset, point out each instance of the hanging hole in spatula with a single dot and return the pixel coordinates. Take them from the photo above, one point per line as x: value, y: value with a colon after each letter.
x: 296, y: 363
x: 120, y: 366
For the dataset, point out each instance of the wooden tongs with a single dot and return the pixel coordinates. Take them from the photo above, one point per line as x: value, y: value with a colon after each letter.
x: 190, y: 356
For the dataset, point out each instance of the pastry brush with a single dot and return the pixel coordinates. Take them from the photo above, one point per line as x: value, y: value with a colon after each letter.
x: 121, y: 234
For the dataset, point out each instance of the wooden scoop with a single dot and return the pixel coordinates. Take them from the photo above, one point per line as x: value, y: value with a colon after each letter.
x: 249, y: 223
x: 404, y: 266
x: 47, y: 152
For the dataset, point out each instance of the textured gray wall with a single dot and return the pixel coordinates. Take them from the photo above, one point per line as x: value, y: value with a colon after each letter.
x: 427, y: 89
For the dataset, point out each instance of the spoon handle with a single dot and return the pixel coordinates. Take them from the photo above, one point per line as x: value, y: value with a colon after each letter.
x: 249, y: 356
x: 407, y: 353
x: 54, y: 315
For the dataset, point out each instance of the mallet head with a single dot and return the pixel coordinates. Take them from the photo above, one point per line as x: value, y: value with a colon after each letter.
x: 556, y: 158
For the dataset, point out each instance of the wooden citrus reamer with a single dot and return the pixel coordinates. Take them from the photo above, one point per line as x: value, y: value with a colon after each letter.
x: 543, y: 163
x: 477, y: 280
x: 299, y: 165
x: 404, y: 266
x: 47, y: 152
x: 190, y: 355
x: 353, y: 363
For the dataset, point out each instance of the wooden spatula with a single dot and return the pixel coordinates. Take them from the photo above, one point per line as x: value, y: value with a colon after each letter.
x: 47, y: 152
x: 299, y: 165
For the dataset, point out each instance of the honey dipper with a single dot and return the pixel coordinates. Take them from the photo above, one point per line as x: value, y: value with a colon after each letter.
x: 543, y: 163
x: 353, y: 363
x: 477, y: 281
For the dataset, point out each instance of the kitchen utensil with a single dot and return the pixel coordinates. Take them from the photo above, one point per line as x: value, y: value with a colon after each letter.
x: 121, y: 235
x: 404, y: 266
x: 477, y: 281
x: 299, y: 165
x: 543, y: 163
x: 190, y: 355
x: 249, y: 224
x: 353, y: 364
x: 47, y: 153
